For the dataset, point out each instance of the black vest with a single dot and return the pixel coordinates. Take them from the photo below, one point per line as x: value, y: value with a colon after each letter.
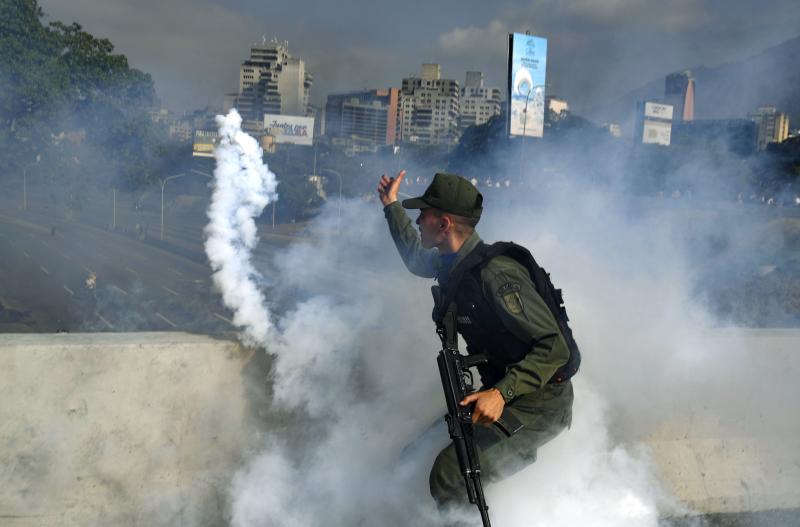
x: 481, y: 327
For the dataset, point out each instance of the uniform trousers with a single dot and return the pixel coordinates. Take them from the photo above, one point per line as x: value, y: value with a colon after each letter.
x: 544, y: 414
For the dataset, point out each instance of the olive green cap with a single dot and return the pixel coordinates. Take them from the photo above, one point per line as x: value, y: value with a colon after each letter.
x: 449, y: 193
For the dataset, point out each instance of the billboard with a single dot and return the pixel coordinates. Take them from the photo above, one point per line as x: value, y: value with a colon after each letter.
x: 527, y: 64
x: 658, y: 111
x: 656, y: 132
x: 290, y: 129
x: 204, y: 143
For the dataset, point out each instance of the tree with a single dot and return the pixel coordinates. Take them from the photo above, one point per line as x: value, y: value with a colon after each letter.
x: 60, y: 79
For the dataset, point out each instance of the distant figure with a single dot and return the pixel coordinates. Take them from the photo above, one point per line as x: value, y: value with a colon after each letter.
x: 53, y: 230
x: 85, y: 304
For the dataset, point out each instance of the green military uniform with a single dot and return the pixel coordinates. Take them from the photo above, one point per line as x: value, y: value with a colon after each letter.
x: 544, y: 409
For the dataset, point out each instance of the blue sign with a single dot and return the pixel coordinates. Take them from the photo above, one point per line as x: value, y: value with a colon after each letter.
x: 527, y: 68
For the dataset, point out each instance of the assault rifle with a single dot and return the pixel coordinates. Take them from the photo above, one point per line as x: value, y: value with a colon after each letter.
x: 454, y: 370
x: 453, y: 367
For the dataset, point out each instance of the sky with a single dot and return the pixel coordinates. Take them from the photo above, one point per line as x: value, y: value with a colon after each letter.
x: 598, y: 49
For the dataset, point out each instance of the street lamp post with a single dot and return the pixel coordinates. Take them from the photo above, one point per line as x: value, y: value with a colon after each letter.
x: 525, y: 119
x: 25, y: 181
x: 339, y: 213
x: 164, y: 183
x: 524, y: 130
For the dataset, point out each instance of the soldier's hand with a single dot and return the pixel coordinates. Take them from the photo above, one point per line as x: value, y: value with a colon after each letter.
x: 389, y: 187
x: 488, y: 408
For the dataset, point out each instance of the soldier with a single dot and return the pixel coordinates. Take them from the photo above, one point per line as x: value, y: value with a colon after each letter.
x: 500, y: 313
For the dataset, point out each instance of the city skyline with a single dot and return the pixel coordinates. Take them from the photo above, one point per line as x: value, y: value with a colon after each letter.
x: 194, y: 49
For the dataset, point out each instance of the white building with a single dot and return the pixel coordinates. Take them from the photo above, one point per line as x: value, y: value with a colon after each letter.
x: 271, y: 81
x: 479, y: 103
x: 613, y: 128
x: 429, y: 108
x: 178, y: 127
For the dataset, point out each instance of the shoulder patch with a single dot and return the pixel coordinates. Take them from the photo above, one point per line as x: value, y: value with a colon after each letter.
x: 508, y: 287
x: 513, y: 303
x: 509, y: 292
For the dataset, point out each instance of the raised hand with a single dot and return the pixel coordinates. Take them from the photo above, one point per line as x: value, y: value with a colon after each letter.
x: 389, y: 187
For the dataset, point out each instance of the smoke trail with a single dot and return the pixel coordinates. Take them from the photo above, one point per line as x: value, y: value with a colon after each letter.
x: 243, y: 186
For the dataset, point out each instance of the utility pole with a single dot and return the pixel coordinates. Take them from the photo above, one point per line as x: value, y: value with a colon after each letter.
x: 164, y: 183
x: 339, y: 213
x: 522, y: 153
x: 25, y: 181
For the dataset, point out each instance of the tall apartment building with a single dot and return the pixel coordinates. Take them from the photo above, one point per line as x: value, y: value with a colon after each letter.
x: 679, y: 93
x: 479, y: 103
x: 271, y: 81
x: 773, y: 126
x: 367, y: 116
x: 429, y: 108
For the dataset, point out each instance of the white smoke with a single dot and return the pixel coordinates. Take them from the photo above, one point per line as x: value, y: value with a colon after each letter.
x: 355, y: 360
x: 243, y: 186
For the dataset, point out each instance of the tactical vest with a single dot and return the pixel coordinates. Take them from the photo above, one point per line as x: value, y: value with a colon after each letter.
x: 481, y: 327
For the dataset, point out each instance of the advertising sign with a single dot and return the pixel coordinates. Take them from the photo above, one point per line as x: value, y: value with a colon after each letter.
x: 658, y: 111
x: 656, y: 132
x: 290, y: 129
x: 204, y: 143
x: 527, y: 64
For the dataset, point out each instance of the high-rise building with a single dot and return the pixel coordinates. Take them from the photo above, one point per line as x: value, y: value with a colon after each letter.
x: 679, y: 93
x: 368, y: 116
x: 479, y: 103
x: 773, y: 126
x: 429, y: 108
x: 271, y: 81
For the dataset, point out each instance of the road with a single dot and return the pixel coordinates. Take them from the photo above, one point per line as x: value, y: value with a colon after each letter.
x: 139, y: 286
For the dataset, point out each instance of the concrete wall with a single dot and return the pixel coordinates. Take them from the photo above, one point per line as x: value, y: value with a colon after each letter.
x: 119, y: 429
x: 737, y: 448
x: 148, y: 428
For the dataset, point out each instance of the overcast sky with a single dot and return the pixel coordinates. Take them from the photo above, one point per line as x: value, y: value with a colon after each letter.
x: 597, y: 48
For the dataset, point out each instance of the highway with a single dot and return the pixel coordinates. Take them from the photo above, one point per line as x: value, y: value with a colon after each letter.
x: 140, y: 286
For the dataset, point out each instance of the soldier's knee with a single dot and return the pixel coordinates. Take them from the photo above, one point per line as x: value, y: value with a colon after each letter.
x: 445, y: 478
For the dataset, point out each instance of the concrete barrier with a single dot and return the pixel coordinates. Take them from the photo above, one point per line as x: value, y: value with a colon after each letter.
x: 733, y: 445
x: 148, y: 428
x: 119, y: 429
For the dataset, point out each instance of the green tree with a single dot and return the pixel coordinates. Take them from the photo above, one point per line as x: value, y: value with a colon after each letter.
x: 57, y: 78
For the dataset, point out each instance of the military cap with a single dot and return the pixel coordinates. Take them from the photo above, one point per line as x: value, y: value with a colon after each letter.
x: 449, y: 193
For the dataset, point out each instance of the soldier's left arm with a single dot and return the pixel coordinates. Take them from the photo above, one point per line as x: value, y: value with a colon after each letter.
x: 508, y: 286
